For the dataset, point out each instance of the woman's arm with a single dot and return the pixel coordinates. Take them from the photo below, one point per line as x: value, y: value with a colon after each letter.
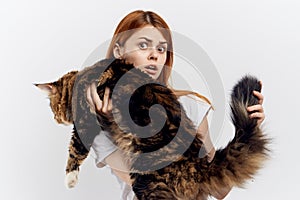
x: 204, y: 136
x: 221, y: 193
x: 115, y: 159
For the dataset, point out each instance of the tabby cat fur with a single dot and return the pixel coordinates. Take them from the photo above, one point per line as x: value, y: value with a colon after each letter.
x: 165, y: 165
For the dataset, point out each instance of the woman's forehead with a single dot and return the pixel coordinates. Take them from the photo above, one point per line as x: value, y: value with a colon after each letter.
x: 148, y: 32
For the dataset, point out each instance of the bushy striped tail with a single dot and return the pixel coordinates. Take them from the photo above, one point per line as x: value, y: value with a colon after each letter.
x: 245, y: 154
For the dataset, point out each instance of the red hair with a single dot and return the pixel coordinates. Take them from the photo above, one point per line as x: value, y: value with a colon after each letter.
x: 139, y: 19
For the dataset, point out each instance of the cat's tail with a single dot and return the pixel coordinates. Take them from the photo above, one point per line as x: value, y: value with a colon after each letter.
x: 240, y: 160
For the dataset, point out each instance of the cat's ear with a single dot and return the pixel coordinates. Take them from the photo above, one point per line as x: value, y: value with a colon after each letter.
x: 49, y: 88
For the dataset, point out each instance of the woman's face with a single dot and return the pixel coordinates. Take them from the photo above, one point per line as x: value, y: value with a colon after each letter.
x: 146, y: 49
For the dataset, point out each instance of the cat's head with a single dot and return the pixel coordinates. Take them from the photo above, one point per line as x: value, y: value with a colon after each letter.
x: 60, y: 95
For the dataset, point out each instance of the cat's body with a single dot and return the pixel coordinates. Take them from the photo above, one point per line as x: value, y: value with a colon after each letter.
x: 164, y: 165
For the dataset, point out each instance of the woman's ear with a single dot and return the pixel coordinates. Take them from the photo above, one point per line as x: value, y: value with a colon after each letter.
x: 118, y: 51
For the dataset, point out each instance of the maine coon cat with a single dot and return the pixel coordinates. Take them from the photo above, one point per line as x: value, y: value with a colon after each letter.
x: 164, y: 159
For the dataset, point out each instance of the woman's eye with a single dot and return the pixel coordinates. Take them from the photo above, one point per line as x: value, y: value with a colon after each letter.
x: 161, y: 49
x: 143, y: 45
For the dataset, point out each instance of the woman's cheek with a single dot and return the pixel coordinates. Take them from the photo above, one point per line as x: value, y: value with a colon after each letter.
x: 139, y: 59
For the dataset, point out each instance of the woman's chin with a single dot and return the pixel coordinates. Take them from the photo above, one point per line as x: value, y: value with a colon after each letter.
x: 152, y: 75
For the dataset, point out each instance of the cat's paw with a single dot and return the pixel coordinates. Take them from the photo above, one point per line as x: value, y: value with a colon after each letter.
x: 71, y: 179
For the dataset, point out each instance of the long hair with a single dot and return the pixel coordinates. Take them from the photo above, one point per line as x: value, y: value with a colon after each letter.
x: 139, y: 19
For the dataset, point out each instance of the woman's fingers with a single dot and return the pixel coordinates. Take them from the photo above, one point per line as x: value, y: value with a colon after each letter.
x: 257, y: 111
x: 109, y: 108
x: 90, y: 99
x: 95, y: 97
x: 259, y: 116
x: 89, y: 96
x: 94, y: 100
x: 105, y: 108
x: 256, y: 108
x: 259, y: 95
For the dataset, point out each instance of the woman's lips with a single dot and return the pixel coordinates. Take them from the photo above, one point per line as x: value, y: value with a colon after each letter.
x: 151, y: 69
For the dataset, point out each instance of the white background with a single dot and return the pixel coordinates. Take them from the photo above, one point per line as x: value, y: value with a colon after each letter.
x: 40, y: 41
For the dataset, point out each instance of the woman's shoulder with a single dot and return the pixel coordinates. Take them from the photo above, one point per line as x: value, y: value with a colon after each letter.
x: 192, y: 101
x: 195, y: 108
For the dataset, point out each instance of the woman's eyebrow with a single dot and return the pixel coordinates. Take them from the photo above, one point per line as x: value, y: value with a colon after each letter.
x: 149, y: 40
x: 145, y: 38
x: 163, y: 42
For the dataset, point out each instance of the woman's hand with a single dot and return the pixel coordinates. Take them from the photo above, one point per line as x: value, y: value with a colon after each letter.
x: 101, y: 107
x: 257, y: 111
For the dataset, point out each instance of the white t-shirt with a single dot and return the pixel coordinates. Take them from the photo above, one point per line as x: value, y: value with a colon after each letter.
x: 195, y: 109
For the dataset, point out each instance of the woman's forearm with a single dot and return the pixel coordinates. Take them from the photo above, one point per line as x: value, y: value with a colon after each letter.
x: 221, y: 193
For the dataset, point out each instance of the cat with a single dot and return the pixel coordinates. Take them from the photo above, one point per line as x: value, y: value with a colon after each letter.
x: 164, y: 165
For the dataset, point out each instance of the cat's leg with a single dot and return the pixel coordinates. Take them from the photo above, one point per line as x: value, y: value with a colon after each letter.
x: 77, y: 154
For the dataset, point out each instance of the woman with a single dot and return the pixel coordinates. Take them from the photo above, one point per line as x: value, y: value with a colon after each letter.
x: 144, y: 39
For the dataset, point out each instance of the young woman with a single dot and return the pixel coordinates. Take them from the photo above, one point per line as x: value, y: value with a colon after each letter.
x: 144, y: 39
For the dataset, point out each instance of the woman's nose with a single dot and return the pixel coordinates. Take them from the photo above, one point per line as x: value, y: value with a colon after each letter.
x: 153, y: 55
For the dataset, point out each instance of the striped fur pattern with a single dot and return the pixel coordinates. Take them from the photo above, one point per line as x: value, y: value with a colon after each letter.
x: 165, y: 165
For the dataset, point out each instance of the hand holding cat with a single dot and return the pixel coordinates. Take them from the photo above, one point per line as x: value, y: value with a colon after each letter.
x: 102, y: 107
x: 257, y: 111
